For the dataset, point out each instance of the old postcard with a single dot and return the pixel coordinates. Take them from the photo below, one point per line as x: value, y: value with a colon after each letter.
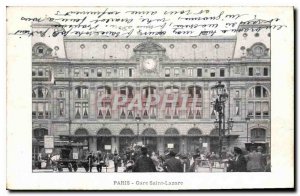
x: 150, y: 98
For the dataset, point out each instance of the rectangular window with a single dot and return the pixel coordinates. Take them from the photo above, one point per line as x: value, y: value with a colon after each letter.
x: 265, y: 109
x: 46, y: 72
x: 77, y: 110
x: 108, y: 72
x: 99, y: 72
x: 212, y: 72
x: 61, y: 109
x: 33, y: 110
x: 250, y: 71
x: 47, y: 113
x: 176, y: 72
x: 237, y: 94
x: 190, y: 72
x: 257, y: 71
x: 85, y: 92
x: 130, y: 72
x: 199, y: 72
x: 167, y: 72
x: 86, y: 72
x: 250, y: 109
x: 237, y: 108
x: 76, y: 72
x: 258, y: 109
x: 222, y: 72
x: 121, y: 72
x: 85, y: 109
x: 266, y: 71
x: 61, y: 94
x: 33, y: 72
x: 40, y: 110
x: 40, y: 72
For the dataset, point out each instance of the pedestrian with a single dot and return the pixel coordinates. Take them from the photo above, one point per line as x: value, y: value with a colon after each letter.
x: 100, y: 161
x: 143, y: 162
x: 254, y: 161
x: 239, y: 162
x: 90, y: 160
x: 116, y: 160
x: 173, y: 164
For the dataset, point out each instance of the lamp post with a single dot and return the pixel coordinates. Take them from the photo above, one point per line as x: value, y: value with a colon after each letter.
x: 219, y: 107
x: 138, y: 119
x: 247, y: 122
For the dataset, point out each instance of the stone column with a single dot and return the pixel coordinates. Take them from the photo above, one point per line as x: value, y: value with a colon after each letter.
x: 160, y: 145
x: 92, y: 100
x: 92, y: 144
x: 206, y: 102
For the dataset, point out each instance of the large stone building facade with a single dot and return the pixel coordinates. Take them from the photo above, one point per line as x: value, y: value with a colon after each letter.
x: 82, y: 89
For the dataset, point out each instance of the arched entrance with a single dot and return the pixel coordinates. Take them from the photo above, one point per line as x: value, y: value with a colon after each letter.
x: 126, y: 139
x: 193, y: 140
x: 149, y: 137
x: 81, y: 141
x: 172, y: 139
x: 104, y: 140
x: 258, y: 138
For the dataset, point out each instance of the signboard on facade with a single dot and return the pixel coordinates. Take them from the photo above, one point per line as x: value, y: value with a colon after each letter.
x: 107, y: 147
x: 48, y: 141
x: 170, y: 145
x: 48, y: 150
x: 75, y: 155
x: 204, y: 145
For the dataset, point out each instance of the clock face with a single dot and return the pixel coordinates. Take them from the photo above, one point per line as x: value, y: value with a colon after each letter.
x: 149, y: 64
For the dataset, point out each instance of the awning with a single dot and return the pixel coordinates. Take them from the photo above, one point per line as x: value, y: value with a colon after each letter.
x: 149, y: 135
x: 75, y: 136
x: 194, y: 135
x: 173, y: 135
x: 103, y: 135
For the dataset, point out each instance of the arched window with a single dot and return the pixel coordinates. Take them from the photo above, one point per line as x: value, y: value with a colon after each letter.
x: 172, y: 132
x: 148, y: 90
x: 149, y: 132
x: 39, y: 133
x: 127, y: 91
x: 126, y: 132
x: 81, y: 131
x: 41, y: 103
x: 103, y: 102
x: 194, y: 107
x: 258, y: 134
x: 194, y: 132
x: 258, y: 102
x: 104, y: 132
x: 170, y: 111
x: 81, y: 92
x: 40, y: 93
x: 103, y: 91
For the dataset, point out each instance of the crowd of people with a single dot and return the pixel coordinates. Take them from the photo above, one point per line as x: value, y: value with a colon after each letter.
x: 141, y: 159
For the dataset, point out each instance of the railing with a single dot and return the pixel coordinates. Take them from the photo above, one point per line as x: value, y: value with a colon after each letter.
x: 210, y: 166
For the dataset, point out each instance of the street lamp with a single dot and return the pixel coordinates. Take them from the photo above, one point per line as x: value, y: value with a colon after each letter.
x: 138, y: 119
x: 219, y: 107
x: 247, y: 122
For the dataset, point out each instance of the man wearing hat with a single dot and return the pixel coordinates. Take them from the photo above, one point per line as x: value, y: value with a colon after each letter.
x: 254, y: 161
x: 173, y: 164
x: 240, y: 163
x: 90, y: 160
x: 144, y: 163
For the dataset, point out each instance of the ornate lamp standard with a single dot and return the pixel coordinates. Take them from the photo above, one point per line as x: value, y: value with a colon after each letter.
x: 138, y: 119
x: 219, y: 107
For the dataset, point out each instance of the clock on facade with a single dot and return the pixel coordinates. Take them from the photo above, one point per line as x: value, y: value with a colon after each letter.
x: 149, y: 64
